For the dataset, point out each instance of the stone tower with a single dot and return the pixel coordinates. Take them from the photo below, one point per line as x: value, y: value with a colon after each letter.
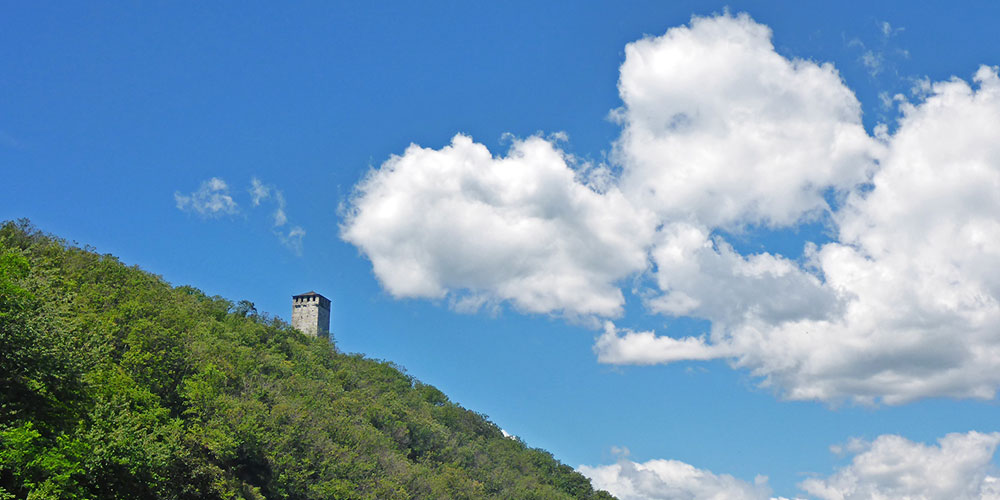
x: 311, y: 314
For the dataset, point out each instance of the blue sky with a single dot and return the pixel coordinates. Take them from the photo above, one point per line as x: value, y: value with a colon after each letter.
x: 759, y: 241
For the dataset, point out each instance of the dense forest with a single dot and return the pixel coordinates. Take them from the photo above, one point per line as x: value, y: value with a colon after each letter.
x: 115, y: 384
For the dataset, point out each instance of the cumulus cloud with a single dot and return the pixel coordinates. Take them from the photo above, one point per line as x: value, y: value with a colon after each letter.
x: 720, y: 135
x: 703, y: 276
x: 671, y: 480
x: 959, y: 467
x: 902, y: 306
x: 646, y: 348
x: 914, y: 267
x: 521, y: 228
x: 722, y: 130
x: 212, y: 199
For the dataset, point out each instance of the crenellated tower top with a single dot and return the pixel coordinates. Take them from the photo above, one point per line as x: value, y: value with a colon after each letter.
x: 311, y: 314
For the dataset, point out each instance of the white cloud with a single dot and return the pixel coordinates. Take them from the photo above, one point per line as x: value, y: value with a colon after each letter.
x: 959, y: 467
x: 723, y: 134
x: 520, y: 228
x: 212, y: 199
x: 721, y: 130
x: 703, y: 276
x: 873, y: 61
x: 904, y: 305
x: 258, y: 191
x: 645, y: 348
x: 280, y: 219
x: 881, y: 60
x: 671, y: 480
x: 886, y: 28
x: 916, y: 263
x: 292, y: 238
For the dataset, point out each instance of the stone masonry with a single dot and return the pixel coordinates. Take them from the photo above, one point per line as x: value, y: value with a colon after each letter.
x: 311, y: 314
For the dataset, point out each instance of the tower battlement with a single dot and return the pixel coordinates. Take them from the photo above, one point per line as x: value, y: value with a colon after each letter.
x: 311, y: 314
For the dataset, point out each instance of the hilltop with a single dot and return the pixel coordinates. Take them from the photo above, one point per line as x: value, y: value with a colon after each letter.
x: 115, y: 384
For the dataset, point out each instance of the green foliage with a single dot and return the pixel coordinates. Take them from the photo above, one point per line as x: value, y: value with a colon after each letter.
x: 113, y: 384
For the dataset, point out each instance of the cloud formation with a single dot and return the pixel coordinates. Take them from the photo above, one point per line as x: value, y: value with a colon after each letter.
x: 291, y: 238
x: 721, y: 135
x: 959, y: 467
x: 212, y: 199
x: 671, y: 480
x: 913, y: 271
x: 720, y: 130
x: 646, y: 348
x: 523, y: 228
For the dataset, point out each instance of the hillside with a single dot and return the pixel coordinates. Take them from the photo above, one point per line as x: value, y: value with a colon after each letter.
x: 115, y: 384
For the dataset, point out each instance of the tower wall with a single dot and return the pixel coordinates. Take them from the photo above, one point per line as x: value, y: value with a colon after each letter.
x: 311, y: 314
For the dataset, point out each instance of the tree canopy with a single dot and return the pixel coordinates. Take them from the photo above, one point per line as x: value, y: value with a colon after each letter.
x: 115, y: 384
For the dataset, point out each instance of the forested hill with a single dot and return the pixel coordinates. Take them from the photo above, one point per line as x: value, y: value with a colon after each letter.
x: 114, y: 384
